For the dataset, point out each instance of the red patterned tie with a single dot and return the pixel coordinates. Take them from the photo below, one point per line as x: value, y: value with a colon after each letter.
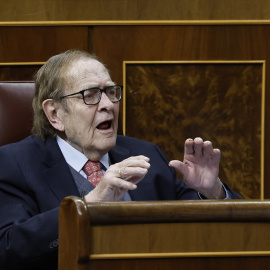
x: 93, y: 172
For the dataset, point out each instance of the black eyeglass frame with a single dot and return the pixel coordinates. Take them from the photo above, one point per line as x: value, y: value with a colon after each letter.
x: 100, y: 94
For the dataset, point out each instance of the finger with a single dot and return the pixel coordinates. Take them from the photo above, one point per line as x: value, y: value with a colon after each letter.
x: 134, y: 179
x: 189, y: 149
x: 198, y: 146
x: 207, y: 149
x: 127, y: 185
x: 129, y: 182
x: 140, y: 157
x: 142, y: 163
x: 216, y: 156
x: 179, y: 166
x: 113, y: 183
x: 132, y: 172
x: 133, y: 166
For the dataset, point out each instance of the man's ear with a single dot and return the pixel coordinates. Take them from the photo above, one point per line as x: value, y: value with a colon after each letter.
x: 53, y: 110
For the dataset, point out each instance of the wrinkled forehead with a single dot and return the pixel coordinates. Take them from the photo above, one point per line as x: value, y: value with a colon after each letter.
x: 86, y: 69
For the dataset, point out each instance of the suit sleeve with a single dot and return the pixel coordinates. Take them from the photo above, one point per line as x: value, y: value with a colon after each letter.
x: 28, y: 236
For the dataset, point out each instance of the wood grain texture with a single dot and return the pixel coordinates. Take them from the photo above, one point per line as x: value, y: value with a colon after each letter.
x: 74, y: 224
x: 220, y: 101
x: 176, y: 238
x: 213, y: 263
x: 61, y: 10
x: 178, y: 211
x: 163, y: 234
x: 37, y: 44
x: 18, y: 72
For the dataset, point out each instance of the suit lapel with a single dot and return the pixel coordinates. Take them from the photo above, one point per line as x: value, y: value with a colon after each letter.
x: 57, y: 172
x: 118, y: 154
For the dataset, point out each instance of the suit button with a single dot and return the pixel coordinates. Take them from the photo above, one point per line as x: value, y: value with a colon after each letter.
x: 55, y: 243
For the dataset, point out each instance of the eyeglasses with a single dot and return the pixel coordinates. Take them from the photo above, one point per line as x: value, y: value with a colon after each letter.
x: 92, y: 96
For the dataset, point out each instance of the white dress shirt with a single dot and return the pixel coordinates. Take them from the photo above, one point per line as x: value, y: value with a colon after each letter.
x: 76, y: 159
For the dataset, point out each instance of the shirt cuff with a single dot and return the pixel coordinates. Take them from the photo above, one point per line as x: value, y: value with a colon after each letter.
x: 227, y: 197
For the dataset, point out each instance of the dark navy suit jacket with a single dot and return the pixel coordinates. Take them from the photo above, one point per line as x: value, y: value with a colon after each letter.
x: 34, y: 178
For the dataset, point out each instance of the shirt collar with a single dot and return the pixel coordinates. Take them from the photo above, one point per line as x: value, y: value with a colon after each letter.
x: 75, y: 158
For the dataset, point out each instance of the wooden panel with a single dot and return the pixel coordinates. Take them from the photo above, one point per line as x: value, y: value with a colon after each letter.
x: 183, y: 42
x: 184, y: 263
x: 163, y: 234
x: 187, y: 42
x: 204, y: 99
x: 36, y: 44
x: 234, y: 237
x: 43, y: 10
x: 18, y: 72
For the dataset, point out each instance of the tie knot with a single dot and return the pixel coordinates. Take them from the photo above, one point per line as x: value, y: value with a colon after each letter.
x: 91, y: 166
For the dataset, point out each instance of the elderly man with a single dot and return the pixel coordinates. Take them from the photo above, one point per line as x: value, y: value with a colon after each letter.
x: 76, y: 107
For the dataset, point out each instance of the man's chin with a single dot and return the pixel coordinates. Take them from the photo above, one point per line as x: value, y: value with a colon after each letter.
x: 107, y: 143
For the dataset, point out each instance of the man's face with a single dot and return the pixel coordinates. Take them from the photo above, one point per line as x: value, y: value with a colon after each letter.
x: 91, y: 129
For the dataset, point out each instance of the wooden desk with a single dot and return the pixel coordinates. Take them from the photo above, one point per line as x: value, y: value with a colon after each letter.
x: 227, y: 235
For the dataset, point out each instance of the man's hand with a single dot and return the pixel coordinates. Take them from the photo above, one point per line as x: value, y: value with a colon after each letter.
x: 200, y: 168
x: 119, y: 178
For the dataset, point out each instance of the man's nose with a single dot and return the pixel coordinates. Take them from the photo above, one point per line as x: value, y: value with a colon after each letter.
x: 105, y: 102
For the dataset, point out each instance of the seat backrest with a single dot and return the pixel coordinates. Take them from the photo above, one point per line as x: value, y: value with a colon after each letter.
x: 16, y: 113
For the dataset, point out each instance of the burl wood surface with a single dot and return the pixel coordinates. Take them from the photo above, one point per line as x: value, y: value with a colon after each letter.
x: 220, y: 102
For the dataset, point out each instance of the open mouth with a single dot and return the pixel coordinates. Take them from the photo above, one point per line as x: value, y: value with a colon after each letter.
x: 105, y: 125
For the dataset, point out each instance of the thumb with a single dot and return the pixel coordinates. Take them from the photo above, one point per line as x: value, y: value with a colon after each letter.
x: 179, y: 166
